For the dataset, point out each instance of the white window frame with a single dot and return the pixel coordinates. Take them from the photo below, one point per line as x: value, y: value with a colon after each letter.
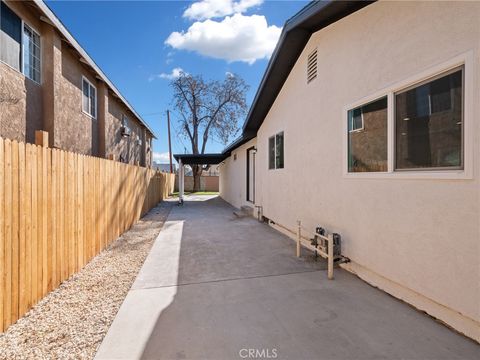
x: 89, y: 99
x: 467, y: 61
x: 361, y: 116
x: 32, y: 29
x: 22, y: 63
x: 274, y: 136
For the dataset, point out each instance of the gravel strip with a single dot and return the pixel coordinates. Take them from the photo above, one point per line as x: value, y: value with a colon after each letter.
x: 71, y: 321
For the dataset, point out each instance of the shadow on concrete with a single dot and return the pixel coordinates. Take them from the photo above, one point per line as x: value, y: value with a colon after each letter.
x: 217, y: 287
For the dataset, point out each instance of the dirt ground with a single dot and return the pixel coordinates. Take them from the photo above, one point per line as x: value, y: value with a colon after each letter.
x: 71, y: 321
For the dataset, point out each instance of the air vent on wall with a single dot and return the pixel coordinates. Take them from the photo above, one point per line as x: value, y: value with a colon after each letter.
x: 312, y: 66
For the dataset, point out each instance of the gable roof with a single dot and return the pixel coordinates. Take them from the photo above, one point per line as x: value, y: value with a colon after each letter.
x: 293, y: 39
x: 85, y: 58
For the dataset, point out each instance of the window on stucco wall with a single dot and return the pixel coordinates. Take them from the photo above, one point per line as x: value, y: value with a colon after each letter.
x: 19, y: 44
x: 276, y: 151
x: 89, y: 98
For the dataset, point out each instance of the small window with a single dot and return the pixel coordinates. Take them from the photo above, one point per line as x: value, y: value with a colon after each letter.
x: 31, y: 54
x: 429, y: 124
x: 312, y: 66
x: 89, y: 98
x: 367, y: 137
x: 276, y: 151
x: 234, y: 157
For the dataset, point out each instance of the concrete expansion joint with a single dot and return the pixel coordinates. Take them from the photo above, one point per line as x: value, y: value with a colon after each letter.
x: 228, y: 280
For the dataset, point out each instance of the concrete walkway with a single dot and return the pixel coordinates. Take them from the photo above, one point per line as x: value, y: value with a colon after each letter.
x: 217, y: 287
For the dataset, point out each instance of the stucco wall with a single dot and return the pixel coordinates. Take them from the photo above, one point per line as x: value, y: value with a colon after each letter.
x: 74, y: 130
x: 233, y: 176
x: 422, y: 234
x: 125, y: 148
x: 55, y: 105
x: 20, y: 97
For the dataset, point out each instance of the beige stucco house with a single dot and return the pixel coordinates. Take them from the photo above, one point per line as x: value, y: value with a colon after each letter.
x: 366, y: 123
x: 48, y: 82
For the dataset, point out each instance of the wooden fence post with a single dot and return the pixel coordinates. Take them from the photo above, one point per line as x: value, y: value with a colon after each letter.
x: 330, y: 256
x: 57, y: 211
x: 41, y: 138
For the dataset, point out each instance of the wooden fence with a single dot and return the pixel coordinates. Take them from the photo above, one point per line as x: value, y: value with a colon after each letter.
x: 57, y: 211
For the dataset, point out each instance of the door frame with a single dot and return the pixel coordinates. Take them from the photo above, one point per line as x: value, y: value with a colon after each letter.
x: 248, y: 175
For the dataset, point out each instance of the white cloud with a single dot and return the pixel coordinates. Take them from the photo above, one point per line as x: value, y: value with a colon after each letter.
x: 235, y: 38
x: 207, y: 9
x: 173, y: 75
x: 161, y: 158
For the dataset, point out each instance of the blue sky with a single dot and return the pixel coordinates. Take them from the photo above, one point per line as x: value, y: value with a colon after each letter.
x: 132, y: 42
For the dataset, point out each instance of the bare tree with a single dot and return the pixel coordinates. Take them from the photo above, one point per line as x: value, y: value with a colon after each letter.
x: 208, y: 110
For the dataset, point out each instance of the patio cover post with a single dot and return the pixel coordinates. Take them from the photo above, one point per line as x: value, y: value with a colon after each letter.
x: 181, y: 180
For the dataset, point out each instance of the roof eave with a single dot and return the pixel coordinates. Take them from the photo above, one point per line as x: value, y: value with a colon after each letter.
x: 295, y: 35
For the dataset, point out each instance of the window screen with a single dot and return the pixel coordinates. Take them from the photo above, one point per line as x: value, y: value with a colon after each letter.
x: 89, y: 98
x: 10, y: 37
x: 279, y: 151
x: 275, y: 151
x: 271, y: 152
x: 31, y: 54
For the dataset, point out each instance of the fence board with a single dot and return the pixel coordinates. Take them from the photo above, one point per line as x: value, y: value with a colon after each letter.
x: 15, y: 230
x: 44, y: 207
x: 2, y: 231
x: 40, y: 200
x: 57, y: 211
x: 22, y: 305
x: 7, y: 302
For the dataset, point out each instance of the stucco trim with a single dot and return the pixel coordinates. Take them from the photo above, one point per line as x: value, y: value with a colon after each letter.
x: 451, y: 318
x: 467, y: 61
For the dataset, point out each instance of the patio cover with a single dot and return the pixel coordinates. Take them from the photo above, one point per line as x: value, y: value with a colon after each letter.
x: 200, y: 159
x: 193, y: 159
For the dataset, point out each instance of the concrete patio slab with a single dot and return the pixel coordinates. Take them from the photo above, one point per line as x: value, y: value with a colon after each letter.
x: 215, y: 287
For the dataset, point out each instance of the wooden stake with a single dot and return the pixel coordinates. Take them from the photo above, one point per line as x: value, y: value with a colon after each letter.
x: 299, y: 236
x: 330, y: 256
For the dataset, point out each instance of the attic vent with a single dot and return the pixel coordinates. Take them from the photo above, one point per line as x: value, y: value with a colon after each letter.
x: 312, y: 66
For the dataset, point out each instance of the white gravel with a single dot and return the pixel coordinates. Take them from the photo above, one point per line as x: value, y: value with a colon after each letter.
x: 71, y: 321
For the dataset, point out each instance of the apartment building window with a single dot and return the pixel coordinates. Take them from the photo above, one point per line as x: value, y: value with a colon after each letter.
x: 89, y: 98
x: 276, y: 151
x: 429, y: 122
x: 19, y: 44
x: 31, y: 54
x: 367, y: 137
x: 10, y: 37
